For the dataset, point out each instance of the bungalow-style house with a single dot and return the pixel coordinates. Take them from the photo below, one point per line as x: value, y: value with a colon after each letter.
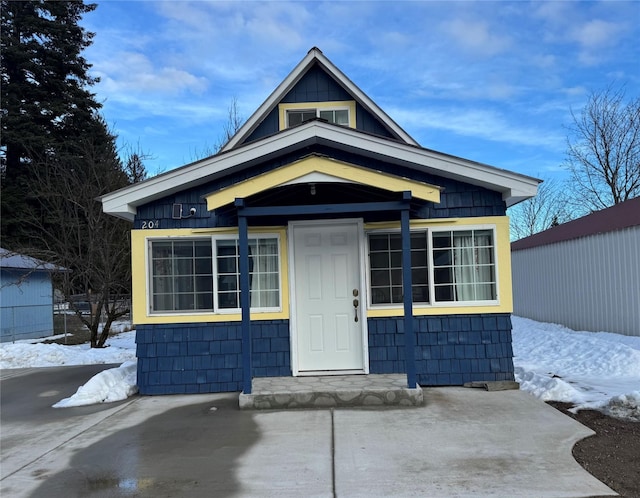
x: 26, y: 297
x: 321, y: 240
x: 583, y: 274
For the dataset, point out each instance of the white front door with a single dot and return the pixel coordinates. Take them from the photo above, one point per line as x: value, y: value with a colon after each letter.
x: 327, y: 326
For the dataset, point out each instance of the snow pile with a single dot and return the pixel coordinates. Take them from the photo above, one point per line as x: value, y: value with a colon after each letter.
x: 546, y: 388
x: 591, y: 370
x: 108, y: 386
x: 120, y: 348
x: 624, y: 406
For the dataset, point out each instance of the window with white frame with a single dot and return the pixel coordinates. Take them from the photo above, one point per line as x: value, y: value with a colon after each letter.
x: 203, y: 274
x: 385, y: 268
x: 464, y: 265
x: 337, y: 116
x: 181, y: 275
x: 264, y: 273
x: 447, y: 266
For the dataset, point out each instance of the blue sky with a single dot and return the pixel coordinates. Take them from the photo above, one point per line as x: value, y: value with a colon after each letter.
x: 489, y: 81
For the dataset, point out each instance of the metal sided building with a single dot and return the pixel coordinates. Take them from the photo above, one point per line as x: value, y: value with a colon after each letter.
x: 584, y: 274
x: 322, y: 239
x: 26, y: 297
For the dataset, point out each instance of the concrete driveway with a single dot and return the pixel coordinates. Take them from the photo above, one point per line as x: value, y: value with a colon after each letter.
x: 464, y: 442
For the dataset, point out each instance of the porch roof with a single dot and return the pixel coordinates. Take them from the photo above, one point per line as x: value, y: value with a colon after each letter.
x: 318, y: 168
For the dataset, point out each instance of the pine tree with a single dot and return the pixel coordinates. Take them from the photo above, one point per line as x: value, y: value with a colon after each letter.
x: 45, y: 101
x: 59, y: 157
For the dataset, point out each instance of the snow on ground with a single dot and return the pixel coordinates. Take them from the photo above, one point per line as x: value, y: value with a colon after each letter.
x: 591, y: 370
x: 110, y: 385
x: 25, y: 354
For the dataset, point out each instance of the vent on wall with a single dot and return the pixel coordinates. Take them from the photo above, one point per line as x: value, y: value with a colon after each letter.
x: 177, y: 212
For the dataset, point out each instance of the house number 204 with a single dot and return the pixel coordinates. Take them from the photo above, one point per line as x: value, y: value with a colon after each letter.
x: 150, y: 224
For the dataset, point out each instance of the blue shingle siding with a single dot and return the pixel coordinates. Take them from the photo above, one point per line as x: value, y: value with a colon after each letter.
x: 207, y: 357
x: 451, y: 350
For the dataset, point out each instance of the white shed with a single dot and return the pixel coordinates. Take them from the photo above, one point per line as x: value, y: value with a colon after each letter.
x: 584, y: 274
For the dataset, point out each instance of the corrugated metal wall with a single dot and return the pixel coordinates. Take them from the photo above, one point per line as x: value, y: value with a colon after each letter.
x: 26, y: 310
x: 591, y: 283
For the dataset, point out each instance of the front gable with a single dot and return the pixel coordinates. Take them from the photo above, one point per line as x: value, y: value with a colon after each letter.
x: 313, y: 84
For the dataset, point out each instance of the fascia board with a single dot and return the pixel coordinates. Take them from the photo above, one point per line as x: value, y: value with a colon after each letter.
x: 513, y: 186
x: 123, y: 202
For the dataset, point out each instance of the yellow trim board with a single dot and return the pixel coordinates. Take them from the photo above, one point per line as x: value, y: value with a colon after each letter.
x: 315, y: 164
x: 140, y: 279
x: 503, y: 267
x: 338, y: 104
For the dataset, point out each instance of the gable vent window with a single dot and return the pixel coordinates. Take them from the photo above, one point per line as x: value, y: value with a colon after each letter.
x: 300, y: 116
x: 336, y: 116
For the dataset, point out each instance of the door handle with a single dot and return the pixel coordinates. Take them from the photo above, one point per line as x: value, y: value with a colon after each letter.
x: 355, y: 305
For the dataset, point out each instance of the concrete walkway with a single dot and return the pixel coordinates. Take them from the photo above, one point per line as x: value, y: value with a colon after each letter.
x: 463, y: 442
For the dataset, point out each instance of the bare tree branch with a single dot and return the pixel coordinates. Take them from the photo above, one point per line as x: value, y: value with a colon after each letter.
x: 548, y: 208
x: 603, y: 151
x: 75, y: 233
x: 229, y: 129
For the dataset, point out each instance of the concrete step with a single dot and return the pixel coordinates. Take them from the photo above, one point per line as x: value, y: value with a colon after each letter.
x: 277, y: 393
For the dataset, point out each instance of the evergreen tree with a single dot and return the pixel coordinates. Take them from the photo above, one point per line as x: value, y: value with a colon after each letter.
x: 59, y: 157
x: 45, y: 101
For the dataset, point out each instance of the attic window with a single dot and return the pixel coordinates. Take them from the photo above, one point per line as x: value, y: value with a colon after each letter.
x: 336, y: 116
x: 337, y: 112
x: 297, y: 116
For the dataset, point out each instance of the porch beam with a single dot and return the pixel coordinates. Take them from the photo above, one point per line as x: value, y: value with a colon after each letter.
x: 409, y: 333
x: 321, y: 208
x: 245, y: 303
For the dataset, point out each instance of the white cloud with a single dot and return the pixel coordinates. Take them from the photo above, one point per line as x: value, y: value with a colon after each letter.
x: 478, y: 123
x: 476, y: 37
x: 546, y: 61
x: 130, y: 72
x: 592, y: 28
x: 552, y: 12
x: 593, y: 37
x: 596, y: 33
x: 238, y: 25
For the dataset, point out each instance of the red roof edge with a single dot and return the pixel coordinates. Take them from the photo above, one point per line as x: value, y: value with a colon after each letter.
x: 623, y: 215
